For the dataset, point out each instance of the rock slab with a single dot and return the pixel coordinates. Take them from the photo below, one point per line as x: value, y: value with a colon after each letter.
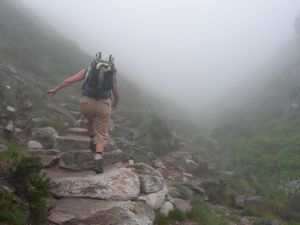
x: 155, y: 200
x: 90, y: 211
x: 45, y: 136
x: 151, y: 180
x: 71, y: 143
x: 77, y: 160
x: 117, y: 184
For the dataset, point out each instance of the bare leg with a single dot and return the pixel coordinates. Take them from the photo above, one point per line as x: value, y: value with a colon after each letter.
x: 100, y: 148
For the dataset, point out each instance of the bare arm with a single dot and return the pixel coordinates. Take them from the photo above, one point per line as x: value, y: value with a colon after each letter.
x: 70, y: 80
x: 116, y: 94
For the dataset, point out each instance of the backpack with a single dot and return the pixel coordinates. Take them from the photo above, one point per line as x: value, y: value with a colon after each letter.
x: 99, y: 78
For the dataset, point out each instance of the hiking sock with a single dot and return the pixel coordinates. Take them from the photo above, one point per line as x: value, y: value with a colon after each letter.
x: 92, y: 143
x: 98, y: 163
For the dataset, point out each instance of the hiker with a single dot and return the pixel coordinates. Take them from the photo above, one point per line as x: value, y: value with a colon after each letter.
x: 96, y: 101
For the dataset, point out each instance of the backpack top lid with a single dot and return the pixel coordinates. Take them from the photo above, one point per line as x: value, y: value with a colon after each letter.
x: 109, y: 59
x: 106, y: 61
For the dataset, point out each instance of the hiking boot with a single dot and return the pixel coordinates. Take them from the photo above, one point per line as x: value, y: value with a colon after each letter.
x: 98, y: 163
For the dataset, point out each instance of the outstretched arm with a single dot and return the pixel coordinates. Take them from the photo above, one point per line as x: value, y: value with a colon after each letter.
x: 116, y: 94
x: 70, y: 80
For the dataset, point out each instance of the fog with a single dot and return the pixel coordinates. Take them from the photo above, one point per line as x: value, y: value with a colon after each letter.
x: 190, y: 51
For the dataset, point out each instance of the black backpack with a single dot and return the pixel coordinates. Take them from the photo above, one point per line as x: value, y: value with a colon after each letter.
x: 99, y: 80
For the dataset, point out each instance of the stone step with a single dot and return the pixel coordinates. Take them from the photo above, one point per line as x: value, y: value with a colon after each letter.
x: 59, y: 172
x: 77, y: 131
x: 117, y: 184
x: 84, y: 159
x: 77, y: 160
x: 71, y: 143
x: 94, y: 211
x: 49, y: 161
x: 56, y: 172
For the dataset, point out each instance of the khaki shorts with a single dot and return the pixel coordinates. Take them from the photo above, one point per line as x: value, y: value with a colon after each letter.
x: 98, y: 112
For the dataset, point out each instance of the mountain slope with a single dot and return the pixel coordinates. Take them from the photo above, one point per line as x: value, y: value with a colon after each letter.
x: 262, y: 134
x: 35, y: 48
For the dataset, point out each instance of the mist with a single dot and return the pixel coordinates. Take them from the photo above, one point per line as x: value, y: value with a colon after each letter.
x: 191, y: 52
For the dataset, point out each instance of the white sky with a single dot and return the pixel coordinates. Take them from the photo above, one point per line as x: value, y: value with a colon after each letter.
x: 191, y: 51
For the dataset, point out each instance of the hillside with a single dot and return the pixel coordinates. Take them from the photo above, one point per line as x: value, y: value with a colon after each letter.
x: 261, y: 134
x: 213, y: 179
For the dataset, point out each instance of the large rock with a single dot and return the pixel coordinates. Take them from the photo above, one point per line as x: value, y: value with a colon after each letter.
x: 77, y: 160
x: 155, y: 200
x: 151, y: 180
x: 49, y: 161
x: 117, y: 184
x: 91, y: 211
x: 254, y: 200
x: 34, y: 145
x: 71, y: 143
x: 45, y: 136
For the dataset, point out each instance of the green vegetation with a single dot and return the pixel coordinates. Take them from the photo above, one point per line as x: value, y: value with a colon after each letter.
x: 203, y: 214
x: 226, y: 190
x: 177, y: 215
x: 200, y: 213
x: 31, y: 188
x: 293, y: 223
x: 201, y: 154
x: 161, y: 219
x: 159, y: 138
x: 137, y: 155
x: 266, y: 209
x: 174, y: 215
x: 54, y: 120
x: 11, y: 211
x: 268, y: 150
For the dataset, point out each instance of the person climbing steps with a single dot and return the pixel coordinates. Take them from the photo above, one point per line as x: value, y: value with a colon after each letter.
x: 100, y: 95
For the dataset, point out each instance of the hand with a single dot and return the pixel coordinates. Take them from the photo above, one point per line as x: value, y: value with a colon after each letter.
x: 51, y: 91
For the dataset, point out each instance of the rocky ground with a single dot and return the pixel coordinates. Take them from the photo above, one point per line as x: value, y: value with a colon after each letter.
x: 123, y: 194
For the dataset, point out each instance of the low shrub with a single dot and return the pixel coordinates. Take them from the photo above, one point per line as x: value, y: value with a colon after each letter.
x: 161, y: 220
x: 12, y: 211
x: 203, y: 214
x: 269, y: 209
x: 31, y: 188
x: 177, y: 215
